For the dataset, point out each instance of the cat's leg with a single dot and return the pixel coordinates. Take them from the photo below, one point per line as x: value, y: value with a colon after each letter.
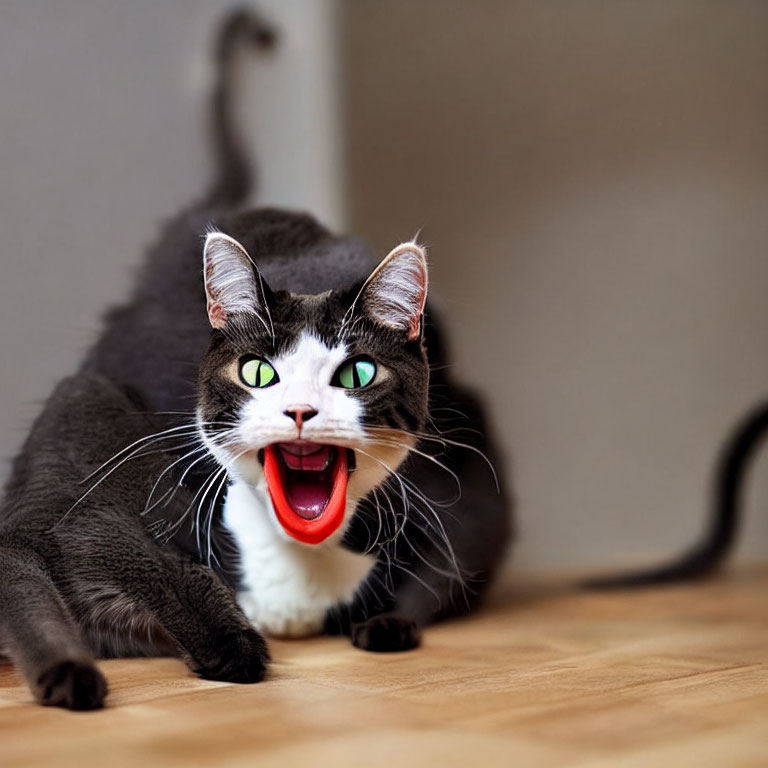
x: 93, y: 571
x: 445, y: 555
x: 373, y: 620
x: 422, y: 595
x: 200, y: 613
x: 41, y: 637
x: 436, y: 577
x: 378, y: 619
x: 138, y: 593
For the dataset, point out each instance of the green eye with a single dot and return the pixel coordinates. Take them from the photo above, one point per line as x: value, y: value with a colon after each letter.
x: 257, y: 373
x: 355, y: 374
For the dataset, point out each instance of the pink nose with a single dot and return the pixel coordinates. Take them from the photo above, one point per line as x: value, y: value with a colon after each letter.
x: 300, y: 414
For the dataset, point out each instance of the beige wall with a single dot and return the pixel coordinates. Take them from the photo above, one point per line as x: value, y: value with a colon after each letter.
x: 102, y: 118
x: 592, y: 180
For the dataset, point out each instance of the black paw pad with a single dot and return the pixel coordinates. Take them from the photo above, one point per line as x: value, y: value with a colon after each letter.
x: 77, y: 685
x: 385, y: 634
x: 242, y: 658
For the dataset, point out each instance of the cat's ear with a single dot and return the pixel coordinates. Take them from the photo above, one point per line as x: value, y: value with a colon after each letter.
x: 233, y: 284
x: 396, y: 292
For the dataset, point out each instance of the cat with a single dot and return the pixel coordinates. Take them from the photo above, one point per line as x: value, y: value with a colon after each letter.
x: 709, y: 554
x: 248, y: 450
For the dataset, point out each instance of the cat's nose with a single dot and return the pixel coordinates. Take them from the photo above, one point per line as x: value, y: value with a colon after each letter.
x: 300, y: 414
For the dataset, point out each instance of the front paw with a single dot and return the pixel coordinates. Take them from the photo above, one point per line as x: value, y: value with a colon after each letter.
x: 385, y: 634
x: 242, y: 658
x: 77, y: 685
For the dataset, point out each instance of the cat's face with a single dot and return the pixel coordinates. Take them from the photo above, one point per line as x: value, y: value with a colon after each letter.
x: 313, y: 398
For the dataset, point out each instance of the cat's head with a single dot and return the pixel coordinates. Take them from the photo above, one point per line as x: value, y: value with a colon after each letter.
x: 316, y: 398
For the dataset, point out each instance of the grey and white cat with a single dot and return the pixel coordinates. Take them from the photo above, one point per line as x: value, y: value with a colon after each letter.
x: 299, y: 483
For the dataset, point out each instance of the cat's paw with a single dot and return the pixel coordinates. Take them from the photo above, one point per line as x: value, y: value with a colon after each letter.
x: 242, y: 658
x: 77, y: 685
x: 385, y: 634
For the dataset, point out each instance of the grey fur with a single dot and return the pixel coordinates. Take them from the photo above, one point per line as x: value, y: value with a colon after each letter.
x: 99, y: 529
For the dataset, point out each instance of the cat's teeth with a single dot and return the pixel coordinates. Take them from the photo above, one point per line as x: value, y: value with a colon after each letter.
x: 302, y: 448
x: 311, y: 457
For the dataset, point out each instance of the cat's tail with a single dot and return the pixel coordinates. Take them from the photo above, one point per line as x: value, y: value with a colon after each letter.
x: 730, y: 476
x: 233, y: 178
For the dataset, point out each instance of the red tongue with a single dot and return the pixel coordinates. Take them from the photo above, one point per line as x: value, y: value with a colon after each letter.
x: 308, y: 486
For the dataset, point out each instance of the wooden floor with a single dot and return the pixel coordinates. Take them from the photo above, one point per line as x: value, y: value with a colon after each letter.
x: 544, y: 676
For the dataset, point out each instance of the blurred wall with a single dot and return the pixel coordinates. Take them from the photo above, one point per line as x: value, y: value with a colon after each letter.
x: 592, y: 181
x: 102, y: 135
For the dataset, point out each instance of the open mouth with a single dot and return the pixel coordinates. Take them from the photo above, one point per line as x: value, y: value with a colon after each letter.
x: 308, y: 485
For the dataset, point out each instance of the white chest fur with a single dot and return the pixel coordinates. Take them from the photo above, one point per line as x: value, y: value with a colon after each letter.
x: 287, y: 586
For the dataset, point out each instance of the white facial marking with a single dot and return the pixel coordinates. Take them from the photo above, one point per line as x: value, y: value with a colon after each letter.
x: 305, y: 374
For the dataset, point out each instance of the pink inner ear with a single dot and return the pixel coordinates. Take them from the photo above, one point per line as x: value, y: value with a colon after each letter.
x: 216, y: 314
x: 414, y: 323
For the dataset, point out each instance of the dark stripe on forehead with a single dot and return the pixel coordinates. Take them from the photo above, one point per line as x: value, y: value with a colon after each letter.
x: 319, y: 316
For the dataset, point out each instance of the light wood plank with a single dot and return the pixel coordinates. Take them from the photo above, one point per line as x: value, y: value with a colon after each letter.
x: 544, y: 676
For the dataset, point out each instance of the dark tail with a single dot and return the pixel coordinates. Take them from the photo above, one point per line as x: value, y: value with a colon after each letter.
x: 730, y: 475
x: 234, y: 175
